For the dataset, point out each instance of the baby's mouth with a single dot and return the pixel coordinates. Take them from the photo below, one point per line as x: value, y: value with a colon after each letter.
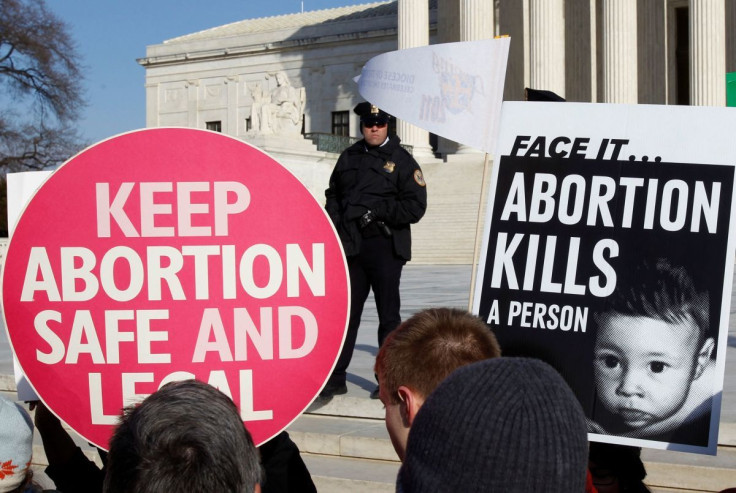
x: 634, y: 417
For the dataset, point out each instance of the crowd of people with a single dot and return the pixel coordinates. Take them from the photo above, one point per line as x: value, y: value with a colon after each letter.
x: 460, y: 416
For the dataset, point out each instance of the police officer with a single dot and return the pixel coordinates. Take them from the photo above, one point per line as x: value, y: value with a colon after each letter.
x: 376, y: 191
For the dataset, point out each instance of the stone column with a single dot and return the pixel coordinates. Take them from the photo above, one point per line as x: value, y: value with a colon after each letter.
x: 476, y: 20
x: 547, y: 45
x: 620, y: 74
x: 413, y: 33
x: 476, y: 23
x: 707, y: 53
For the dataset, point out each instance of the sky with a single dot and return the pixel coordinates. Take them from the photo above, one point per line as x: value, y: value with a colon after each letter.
x: 112, y: 34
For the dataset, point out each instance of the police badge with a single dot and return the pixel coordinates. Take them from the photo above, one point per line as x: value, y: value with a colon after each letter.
x: 389, y: 166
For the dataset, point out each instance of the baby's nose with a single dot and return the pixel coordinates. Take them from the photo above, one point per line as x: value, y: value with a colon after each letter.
x: 630, y: 384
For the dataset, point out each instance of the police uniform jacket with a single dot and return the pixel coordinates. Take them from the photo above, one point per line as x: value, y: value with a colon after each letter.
x: 386, y: 180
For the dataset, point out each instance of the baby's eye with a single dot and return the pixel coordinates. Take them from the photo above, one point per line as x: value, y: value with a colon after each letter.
x: 657, y: 366
x: 610, y: 361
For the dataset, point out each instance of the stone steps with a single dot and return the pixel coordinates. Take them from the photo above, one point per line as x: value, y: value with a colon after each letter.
x: 356, y: 438
x: 446, y: 233
x: 346, y: 446
x: 667, y: 472
x: 340, y: 474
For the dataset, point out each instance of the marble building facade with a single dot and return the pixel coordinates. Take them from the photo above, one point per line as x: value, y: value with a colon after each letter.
x: 622, y: 51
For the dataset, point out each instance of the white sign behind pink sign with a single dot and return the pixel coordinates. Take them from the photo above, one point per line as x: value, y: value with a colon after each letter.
x: 168, y: 254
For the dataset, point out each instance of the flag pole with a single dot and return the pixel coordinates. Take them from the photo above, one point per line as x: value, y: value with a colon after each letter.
x: 478, y: 230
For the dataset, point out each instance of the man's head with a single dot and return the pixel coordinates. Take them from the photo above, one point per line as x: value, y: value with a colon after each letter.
x: 186, y: 437
x: 420, y: 354
x: 502, y: 424
x: 373, y: 123
x: 651, y: 343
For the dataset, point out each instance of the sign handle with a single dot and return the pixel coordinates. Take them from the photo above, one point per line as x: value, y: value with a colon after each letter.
x: 478, y: 229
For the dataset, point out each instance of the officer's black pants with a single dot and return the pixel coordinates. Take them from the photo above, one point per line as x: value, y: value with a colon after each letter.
x: 377, y: 267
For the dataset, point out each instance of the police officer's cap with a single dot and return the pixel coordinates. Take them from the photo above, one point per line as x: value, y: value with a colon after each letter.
x: 371, y: 114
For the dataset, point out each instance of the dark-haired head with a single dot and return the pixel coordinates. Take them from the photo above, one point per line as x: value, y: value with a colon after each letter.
x: 186, y: 437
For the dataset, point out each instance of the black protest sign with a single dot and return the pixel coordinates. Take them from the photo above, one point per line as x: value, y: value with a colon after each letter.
x: 608, y: 253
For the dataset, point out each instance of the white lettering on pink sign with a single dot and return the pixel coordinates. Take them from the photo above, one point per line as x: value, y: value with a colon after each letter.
x: 190, y: 255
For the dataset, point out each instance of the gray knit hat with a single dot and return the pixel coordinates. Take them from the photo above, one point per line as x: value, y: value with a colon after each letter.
x: 500, y: 425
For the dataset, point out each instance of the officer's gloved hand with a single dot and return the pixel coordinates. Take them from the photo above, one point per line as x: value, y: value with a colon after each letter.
x: 366, y: 219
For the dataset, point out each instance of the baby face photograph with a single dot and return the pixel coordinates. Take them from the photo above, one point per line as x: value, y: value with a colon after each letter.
x: 653, y: 365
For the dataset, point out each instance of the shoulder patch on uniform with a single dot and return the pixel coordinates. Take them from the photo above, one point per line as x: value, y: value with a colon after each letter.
x: 419, y: 178
x: 389, y: 166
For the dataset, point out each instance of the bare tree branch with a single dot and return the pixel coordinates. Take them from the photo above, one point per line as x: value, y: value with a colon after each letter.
x: 40, y: 75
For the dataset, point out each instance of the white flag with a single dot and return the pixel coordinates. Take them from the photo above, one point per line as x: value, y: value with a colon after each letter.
x: 453, y: 90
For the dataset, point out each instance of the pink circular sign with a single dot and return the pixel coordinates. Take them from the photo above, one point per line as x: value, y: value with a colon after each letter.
x: 167, y: 254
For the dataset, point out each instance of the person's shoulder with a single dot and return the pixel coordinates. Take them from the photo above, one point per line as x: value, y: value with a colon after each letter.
x: 405, y: 154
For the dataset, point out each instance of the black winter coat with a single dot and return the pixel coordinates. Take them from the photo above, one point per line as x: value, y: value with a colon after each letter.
x: 386, y: 180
